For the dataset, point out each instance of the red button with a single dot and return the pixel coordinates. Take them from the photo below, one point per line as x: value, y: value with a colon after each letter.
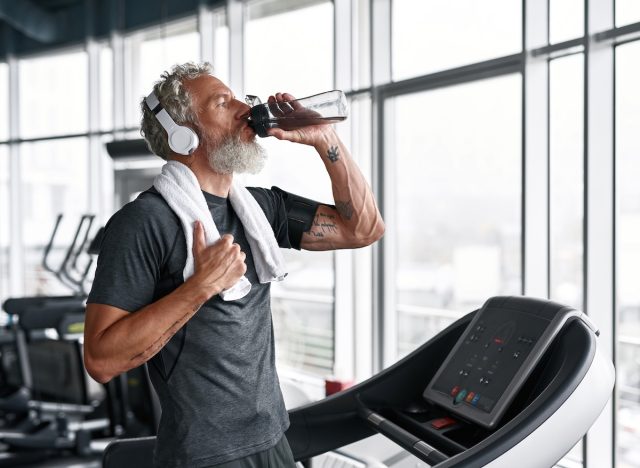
x: 442, y: 423
x: 455, y: 390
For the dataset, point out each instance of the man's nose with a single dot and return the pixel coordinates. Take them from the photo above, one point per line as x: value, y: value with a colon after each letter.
x: 242, y: 111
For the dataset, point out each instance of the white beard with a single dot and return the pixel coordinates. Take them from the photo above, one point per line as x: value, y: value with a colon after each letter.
x: 235, y: 155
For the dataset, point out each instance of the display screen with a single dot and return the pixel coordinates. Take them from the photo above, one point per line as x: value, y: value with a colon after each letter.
x: 485, y: 363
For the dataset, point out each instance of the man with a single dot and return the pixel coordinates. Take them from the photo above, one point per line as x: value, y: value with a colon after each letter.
x: 212, y: 361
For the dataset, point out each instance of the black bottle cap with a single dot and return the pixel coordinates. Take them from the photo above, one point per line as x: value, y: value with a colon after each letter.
x: 259, y: 120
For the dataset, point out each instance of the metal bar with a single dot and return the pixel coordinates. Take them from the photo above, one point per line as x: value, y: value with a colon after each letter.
x: 476, y: 71
x: 550, y: 50
x: 69, y: 135
x: 615, y: 33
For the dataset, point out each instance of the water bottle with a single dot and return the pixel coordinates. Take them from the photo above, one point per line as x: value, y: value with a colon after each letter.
x: 320, y: 109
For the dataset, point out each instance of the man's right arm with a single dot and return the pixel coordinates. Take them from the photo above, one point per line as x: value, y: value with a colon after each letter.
x: 116, y: 340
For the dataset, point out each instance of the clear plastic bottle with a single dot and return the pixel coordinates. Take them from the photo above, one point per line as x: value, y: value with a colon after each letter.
x: 324, y: 108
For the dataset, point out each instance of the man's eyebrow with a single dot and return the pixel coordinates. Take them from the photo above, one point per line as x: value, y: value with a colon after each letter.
x: 218, y: 95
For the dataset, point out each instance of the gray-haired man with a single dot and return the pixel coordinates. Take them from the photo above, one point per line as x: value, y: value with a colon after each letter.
x: 212, y: 361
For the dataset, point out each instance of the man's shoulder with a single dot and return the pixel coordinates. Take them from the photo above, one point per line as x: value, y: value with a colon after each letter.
x: 148, y: 209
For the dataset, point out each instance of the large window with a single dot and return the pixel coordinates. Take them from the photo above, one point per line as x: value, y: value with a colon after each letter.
x: 106, y: 82
x: 628, y: 253
x: 458, y: 195
x: 627, y: 11
x: 566, y: 173
x: 54, y: 181
x: 53, y: 95
x: 4, y: 222
x: 303, y: 303
x: 566, y: 20
x: 4, y: 98
x: 153, y: 52
x: 429, y: 36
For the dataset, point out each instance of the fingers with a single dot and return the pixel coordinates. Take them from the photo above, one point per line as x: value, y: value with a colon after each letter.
x: 199, y: 243
x: 279, y: 106
x: 292, y: 101
x: 276, y: 132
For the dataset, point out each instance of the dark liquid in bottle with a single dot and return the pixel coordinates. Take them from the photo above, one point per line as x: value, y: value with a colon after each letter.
x: 292, y: 123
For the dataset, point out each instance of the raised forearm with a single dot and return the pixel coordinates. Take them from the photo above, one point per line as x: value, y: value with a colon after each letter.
x: 353, y: 197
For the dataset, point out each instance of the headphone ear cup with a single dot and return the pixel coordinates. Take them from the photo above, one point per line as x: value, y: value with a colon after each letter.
x: 183, y: 140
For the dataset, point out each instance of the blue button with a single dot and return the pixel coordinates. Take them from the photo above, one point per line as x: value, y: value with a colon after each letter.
x: 474, y: 402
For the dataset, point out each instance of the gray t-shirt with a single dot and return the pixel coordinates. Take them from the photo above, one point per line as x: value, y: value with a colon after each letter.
x: 216, y: 378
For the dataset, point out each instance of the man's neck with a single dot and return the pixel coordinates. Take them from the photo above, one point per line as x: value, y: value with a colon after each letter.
x: 209, y: 180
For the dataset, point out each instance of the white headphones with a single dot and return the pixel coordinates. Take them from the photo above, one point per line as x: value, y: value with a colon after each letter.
x: 182, y: 140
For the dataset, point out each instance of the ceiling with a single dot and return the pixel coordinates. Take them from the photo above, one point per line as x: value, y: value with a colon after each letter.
x: 34, y: 26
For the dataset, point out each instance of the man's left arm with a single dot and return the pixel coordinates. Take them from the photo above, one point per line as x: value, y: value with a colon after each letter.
x: 355, y: 221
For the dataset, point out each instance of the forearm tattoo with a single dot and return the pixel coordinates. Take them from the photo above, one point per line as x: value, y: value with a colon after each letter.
x: 333, y: 153
x: 163, y: 340
x: 345, y: 209
x: 323, y: 224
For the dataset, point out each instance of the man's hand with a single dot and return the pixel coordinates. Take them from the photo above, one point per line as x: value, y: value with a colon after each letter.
x: 310, y: 135
x: 218, y: 266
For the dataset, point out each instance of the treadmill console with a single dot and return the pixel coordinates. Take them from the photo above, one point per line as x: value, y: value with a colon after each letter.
x: 494, y: 356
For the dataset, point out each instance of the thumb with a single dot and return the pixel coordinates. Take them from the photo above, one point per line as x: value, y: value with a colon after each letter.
x: 199, y: 243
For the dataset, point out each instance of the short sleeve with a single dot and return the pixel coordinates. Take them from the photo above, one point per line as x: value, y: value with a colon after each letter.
x: 130, y: 259
x: 290, y: 215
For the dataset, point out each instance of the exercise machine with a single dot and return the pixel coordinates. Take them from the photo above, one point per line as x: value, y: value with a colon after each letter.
x: 516, y: 383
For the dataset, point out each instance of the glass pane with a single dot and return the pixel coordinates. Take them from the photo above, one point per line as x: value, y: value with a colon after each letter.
x: 307, y: 66
x: 627, y: 12
x: 154, y: 52
x: 106, y: 88
x: 361, y: 51
x: 55, y: 183
x: 566, y: 20
x: 4, y: 99
x: 304, y: 301
x: 628, y: 254
x: 566, y: 110
x: 4, y: 222
x: 221, y: 46
x: 458, y: 202
x: 44, y: 86
x: 434, y: 35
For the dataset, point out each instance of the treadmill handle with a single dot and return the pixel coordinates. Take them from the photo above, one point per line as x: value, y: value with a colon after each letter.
x: 405, y: 439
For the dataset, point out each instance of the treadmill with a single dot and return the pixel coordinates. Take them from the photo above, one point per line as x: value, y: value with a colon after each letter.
x: 517, y: 382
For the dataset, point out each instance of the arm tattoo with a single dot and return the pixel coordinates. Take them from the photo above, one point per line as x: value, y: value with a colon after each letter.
x: 323, y: 224
x: 333, y: 153
x: 160, y: 342
x: 345, y: 209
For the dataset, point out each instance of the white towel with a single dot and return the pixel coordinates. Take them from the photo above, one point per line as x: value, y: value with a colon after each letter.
x: 179, y: 187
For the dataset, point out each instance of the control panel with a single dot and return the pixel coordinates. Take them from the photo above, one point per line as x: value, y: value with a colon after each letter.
x: 493, y: 358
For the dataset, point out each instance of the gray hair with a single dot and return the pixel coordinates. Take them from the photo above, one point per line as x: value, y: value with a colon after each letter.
x: 173, y: 96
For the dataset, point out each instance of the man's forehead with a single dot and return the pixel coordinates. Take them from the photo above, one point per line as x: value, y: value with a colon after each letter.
x: 206, y: 85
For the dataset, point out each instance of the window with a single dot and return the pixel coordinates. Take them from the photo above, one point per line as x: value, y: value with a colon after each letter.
x: 627, y: 12
x: 4, y: 98
x: 153, y: 52
x: 53, y: 95
x: 457, y: 202
x: 5, y: 222
x: 54, y: 181
x: 566, y: 20
x: 105, y: 57
x: 220, y: 45
x: 566, y: 172
x: 628, y: 254
x: 303, y: 303
x: 430, y: 36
